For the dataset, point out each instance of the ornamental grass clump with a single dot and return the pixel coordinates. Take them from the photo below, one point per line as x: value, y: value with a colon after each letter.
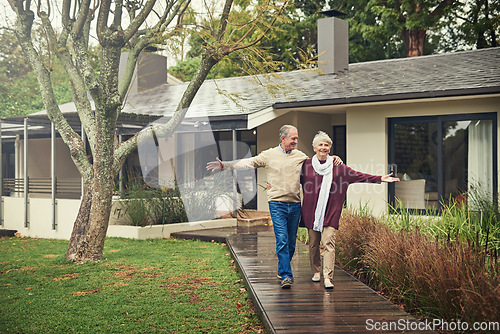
x: 438, y: 278
x: 352, y: 241
x: 443, y: 278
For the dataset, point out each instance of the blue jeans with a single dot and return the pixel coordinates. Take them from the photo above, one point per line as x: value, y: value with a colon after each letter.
x: 285, y: 217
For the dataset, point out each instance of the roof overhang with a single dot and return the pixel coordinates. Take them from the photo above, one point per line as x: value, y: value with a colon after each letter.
x: 128, y: 124
x: 394, y: 98
x: 263, y: 116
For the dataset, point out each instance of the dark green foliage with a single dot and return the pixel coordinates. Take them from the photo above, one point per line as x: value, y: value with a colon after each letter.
x: 475, y: 23
x: 185, y: 70
x: 21, y: 96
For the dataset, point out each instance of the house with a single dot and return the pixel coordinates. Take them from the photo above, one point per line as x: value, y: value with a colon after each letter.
x: 431, y: 120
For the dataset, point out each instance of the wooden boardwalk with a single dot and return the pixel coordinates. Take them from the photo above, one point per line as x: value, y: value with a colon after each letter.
x: 351, y: 307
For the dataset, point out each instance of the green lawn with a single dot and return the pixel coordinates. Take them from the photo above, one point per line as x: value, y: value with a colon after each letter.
x: 164, y: 286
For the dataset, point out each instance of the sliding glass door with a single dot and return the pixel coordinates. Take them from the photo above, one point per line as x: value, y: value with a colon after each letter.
x: 441, y: 158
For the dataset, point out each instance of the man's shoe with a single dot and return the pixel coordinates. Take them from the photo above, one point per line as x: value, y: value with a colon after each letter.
x: 286, y: 283
x: 279, y: 276
x: 316, y: 277
x: 328, y: 284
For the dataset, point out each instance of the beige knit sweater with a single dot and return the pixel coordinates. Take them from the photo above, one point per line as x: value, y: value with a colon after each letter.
x: 282, y: 169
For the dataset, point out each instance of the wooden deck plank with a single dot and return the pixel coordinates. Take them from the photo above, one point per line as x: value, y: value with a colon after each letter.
x: 307, y: 307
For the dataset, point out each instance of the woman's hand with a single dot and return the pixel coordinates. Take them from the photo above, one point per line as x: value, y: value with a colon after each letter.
x: 336, y: 160
x: 389, y: 178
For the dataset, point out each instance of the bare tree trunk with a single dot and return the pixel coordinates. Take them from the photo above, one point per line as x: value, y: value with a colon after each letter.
x: 414, y: 42
x: 91, y: 224
x: 78, y: 248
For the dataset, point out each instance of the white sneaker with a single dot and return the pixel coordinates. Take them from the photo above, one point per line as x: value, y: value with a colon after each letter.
x: 328, y: 284
x: 316, y: 277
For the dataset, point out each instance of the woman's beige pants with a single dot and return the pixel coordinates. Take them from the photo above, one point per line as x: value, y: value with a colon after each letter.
x: 327, y: 239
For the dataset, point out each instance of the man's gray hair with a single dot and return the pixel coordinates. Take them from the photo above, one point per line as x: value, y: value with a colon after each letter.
x: 321, y: 136
x: 285, y: 130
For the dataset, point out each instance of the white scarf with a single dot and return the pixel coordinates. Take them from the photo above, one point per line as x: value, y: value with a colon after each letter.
x: 325, y: 170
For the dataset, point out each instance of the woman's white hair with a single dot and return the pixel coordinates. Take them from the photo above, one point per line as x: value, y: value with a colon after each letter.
x: 321, y: 136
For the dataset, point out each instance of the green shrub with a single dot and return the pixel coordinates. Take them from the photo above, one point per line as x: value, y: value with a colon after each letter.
x: 476, y: 220
x: 144, y: 205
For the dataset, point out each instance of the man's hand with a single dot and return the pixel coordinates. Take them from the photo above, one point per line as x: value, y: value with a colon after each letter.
x: 336, y: 160
x: 215, y: 165
x: 389, y: 179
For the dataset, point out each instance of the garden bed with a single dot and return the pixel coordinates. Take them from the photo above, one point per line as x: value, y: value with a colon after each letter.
x: 440, y: 277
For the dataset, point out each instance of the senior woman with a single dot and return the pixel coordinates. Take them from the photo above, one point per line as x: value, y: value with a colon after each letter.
x: 324, y: 190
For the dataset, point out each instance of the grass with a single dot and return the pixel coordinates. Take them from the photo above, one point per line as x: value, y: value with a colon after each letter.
x: 164, y: 286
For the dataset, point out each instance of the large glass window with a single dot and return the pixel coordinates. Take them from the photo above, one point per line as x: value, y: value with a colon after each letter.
x: 415, y: 159
x: 442, y: 158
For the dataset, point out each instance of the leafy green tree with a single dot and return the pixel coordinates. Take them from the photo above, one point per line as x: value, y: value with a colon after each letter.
x: 12, y: 60
x: 185, y: 70
x: 476, y: 24
x: 134, y: 25
x: 288, y: 46
x: 378, y: 29
x: 19, y: 89
x: 393, y: 26
x: 382, y: 29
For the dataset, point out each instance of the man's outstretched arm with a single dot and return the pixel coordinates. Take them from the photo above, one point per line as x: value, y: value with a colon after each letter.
x: 248, y: 163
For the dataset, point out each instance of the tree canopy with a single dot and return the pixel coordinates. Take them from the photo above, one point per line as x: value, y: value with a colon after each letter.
x: 378, y: 29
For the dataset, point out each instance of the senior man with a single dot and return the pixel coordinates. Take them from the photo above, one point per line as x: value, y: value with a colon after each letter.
x: 283, y: 164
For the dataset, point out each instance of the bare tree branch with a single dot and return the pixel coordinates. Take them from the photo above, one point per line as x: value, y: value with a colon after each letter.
x: 23, y: 30
x: 66, y: 8
x: 117, y: 19
x: 81, y: 17
x: 223, y: 20
x: 236, y: 46
x: 151, y: 36
x: 138, y: 21
x: 102, y: 20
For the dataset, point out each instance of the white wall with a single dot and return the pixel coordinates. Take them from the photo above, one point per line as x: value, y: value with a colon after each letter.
x: 40, y: 217
x: 40, y: 221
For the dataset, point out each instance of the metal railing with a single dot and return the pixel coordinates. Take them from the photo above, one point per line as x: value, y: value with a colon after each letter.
x: 65, y: 187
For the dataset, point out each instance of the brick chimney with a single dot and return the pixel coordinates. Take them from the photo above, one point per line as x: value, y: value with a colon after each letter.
x: 333, y: 43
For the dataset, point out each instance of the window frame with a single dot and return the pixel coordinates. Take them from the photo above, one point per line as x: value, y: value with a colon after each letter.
x: 440, y: 120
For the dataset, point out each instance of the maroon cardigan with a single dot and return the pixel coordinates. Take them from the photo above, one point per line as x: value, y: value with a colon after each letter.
x: 342, y: 177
